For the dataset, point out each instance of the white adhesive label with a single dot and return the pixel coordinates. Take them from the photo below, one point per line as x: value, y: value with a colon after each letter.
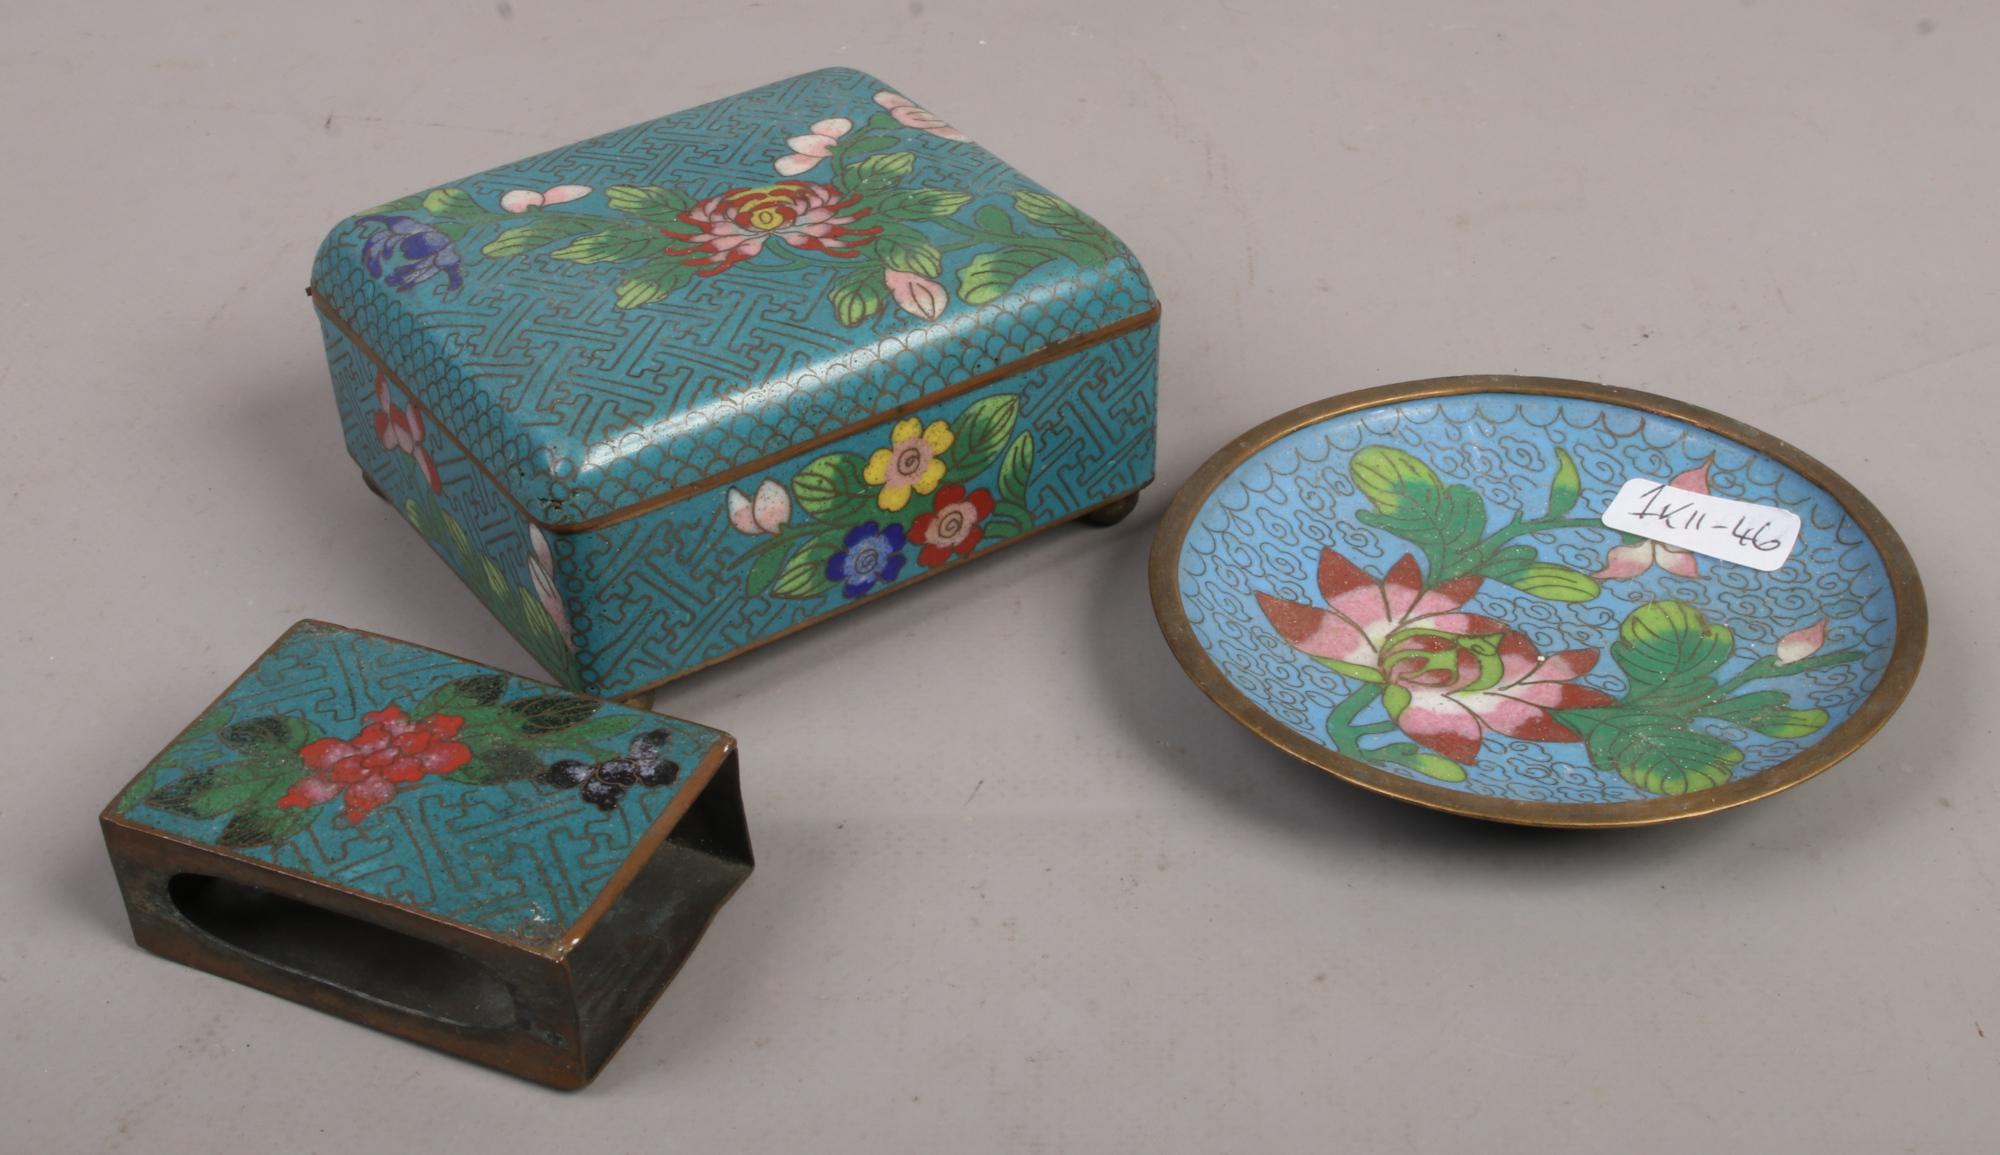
x: 1744, y: 532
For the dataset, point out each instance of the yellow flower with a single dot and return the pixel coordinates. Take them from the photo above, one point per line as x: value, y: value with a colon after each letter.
x: 912, y: 461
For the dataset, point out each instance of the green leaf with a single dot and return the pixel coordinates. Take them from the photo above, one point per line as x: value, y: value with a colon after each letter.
x: 208, y: 723
x: 833, y: 489
x: 650, y: 203
x: 548, y: 713
x: 764, y: 571
x: 1668, y: 652
x: 1769, y: 713
x: 616, y: 244
x: 994, y: 219
x: 859, y: 295
x: 462, y: 696
x: 1427, y: 764
x: 920, y: 256
x: 1393, y: 479
x: 270, y: 732
x: 1009, y: 519
x: 879, y: 172
x: 1015, y: 469
x: 1657, y: 753
x: 177, y: 797
x: 451, y: 202
x: 536, y: 232
x: 979, y: 434
x: 136, y: 792
x: 921, y: 204
x: 497, y: 764
x: 1056, y: 213
x: 1509, y: 560
x: 142, y: 786
x: 989, y: 275
x: 265, y: 826
x: 805, y: 575
x: 1566, y: 487
x: 259, y: 780
x: 223, y: 797
x: 867, y: 144
x: 653, y: 280
x: 1447, y: 522
x: 603, y: 726
x: 1557, y: 583
x: 453, y: 230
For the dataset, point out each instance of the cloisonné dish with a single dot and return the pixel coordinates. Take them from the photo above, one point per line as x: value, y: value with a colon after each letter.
x: 1411, y: 588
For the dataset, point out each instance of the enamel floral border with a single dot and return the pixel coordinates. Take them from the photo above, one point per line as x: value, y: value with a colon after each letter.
x: 860, y: 513
x: 466, y: 731
x: 868, y: 218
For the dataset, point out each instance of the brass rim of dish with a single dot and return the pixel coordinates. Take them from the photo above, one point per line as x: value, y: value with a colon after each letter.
x: 1906, y: 656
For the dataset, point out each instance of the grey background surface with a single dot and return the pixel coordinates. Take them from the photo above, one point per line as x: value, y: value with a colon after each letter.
x: 1020, y: 886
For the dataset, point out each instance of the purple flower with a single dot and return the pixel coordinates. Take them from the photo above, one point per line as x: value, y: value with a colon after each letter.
x: 873, y: 555
x: 428, y: 251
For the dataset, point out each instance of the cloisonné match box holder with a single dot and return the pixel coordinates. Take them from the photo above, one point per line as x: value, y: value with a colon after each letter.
x: 496, y: 867
x: 674, y: 391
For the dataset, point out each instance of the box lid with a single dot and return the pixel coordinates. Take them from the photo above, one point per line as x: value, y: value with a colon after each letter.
x: 503, y: 805
x: 617, y: 324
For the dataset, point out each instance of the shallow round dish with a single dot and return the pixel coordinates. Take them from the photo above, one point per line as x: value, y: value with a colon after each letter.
x: 1410, y: 587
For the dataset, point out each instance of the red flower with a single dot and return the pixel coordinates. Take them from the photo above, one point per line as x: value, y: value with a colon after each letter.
x: 953, y: 526
x: 389, y: 752
x: 404, y: 429
x: 734, y: 226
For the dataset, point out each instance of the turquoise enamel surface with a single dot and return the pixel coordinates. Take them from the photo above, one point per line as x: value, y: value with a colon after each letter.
x: 583, y: 399
x: 672, y: 391
x: 1473, y: 628
x: 409, y: 775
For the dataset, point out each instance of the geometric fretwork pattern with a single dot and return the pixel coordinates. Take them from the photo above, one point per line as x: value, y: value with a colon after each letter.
x: 580, y: 408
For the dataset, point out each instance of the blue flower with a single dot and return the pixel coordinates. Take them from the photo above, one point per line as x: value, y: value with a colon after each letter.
x: 873, y: 555
x: 429, y: 252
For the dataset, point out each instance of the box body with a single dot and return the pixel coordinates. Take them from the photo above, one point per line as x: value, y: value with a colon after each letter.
x: 646, y: 450
x: 488, y: 865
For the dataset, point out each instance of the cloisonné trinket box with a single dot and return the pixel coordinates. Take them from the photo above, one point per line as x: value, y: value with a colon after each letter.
x: 495, y: 867
x: 679, y: 389
x: 1414, y: 588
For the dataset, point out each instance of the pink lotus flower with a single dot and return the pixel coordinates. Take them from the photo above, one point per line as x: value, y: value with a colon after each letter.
x: 1363, y: 613
x: 521, y: 199
x: 1629, y: 561
x: 919, y: 295
x: 542, y: 575
x: 813, y: 147
x: 734, y: 226
x: 1801, y: 644
x: 1445, y: 692
x: 766, y: 513
x: 909, y: 115
x: 403, y: 429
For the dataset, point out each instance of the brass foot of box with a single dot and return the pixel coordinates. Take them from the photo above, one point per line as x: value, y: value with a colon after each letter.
x: 1112, y: 512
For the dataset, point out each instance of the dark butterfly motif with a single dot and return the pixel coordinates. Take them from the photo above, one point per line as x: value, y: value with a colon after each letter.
x: 604, y: 784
